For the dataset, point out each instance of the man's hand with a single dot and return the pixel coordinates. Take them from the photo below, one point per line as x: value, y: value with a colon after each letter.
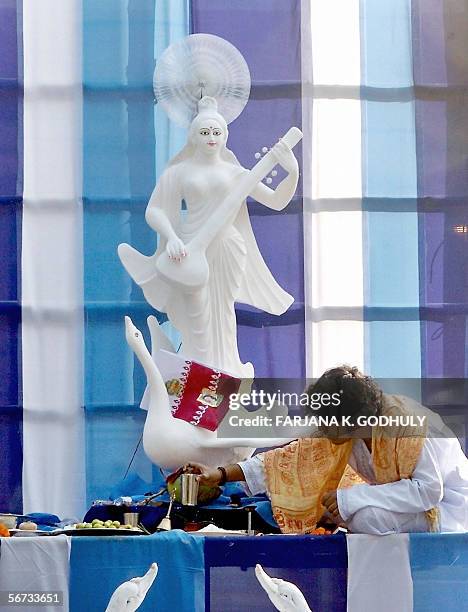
x: 206, y: 475
x: 330, y: 501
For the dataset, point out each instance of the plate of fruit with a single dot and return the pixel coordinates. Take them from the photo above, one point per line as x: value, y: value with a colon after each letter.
x: 100, y: 528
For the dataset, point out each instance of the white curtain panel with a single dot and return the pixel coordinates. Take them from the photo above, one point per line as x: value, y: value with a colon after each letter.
x: 332, y: 184
x: 52, y: 324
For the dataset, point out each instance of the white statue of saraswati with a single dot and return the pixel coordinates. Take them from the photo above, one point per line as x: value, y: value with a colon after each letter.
x: 207, y: 256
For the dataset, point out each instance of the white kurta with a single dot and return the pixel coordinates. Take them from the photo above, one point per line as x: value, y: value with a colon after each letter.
x: 439, y: 479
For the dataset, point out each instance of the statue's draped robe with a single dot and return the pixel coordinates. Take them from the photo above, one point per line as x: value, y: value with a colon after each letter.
x: 238, y: 273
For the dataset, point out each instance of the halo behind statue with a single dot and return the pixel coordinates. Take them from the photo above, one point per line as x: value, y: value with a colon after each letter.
x: 201, y: 65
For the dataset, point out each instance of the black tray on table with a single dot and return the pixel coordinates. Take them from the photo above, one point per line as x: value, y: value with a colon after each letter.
x: 231, y: 518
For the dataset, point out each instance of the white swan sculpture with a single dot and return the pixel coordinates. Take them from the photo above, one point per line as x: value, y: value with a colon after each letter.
x: 171, y: 442
x: 130, y: 594
x: 285, y: 596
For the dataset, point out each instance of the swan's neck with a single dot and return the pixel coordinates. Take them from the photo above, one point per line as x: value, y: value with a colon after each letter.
x: 159, y: 399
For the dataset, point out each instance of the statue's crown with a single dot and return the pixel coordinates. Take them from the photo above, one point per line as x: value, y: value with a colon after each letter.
x: 207, y: 105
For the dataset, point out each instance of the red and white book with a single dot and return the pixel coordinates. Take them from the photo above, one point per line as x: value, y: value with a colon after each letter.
x: 198, y: 394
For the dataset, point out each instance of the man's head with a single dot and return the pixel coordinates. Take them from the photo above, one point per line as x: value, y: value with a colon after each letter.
x: 359, y: 396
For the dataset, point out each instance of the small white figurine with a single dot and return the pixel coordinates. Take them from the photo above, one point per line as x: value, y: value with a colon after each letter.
x: 130, y: 594
x: 285, y: 596
x: 171, y: 442
x: 208, y: 258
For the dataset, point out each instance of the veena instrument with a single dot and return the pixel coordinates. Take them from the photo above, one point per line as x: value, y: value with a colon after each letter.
x: 192, y: 272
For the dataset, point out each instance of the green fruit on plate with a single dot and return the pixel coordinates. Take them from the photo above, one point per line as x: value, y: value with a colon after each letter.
x: 116, y: 524
x: 205, y: 492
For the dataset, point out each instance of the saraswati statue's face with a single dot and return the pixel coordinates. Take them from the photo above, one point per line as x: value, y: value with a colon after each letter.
x: 208, y: 135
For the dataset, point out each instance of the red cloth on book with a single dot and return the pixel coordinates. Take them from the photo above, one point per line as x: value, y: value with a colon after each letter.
x: 203, y: 399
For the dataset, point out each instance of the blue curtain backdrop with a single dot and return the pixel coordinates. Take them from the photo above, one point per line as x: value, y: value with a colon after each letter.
x: 120, y: 43
x: 414, y: 126
x: 389, y: 188
x: 11, y: 191
x: 126, y: 145
x: 414, y: 113
x: 441, y: 80
x: 274, y: 344
x: 440, y: 68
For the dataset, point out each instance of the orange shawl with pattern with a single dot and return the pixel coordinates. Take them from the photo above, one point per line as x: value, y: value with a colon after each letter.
x: 300, y: 473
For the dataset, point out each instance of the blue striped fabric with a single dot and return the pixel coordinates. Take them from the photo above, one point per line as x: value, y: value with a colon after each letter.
x: 441, y: 76
x: 120, y: 40
x: 126, y: 146
x: 275, y: 345
x: 11, y: 191
x: 392, y: 342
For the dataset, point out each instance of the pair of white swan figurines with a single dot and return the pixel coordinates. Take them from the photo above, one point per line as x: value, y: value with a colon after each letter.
x: 170, y: 442
x: 285, y: 596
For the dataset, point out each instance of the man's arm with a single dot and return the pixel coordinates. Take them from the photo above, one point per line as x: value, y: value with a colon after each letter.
x: 250, y: 471
x: 421, y: 492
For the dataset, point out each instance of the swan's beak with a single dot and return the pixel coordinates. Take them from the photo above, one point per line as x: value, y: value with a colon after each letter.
x: 154, y: 568
x: 129, y: 326
x: 265, y: 580
x: 147, y: 580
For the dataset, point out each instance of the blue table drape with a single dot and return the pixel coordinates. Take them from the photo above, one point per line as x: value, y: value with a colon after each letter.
x: 439, y: 567
x: 98, y: 565
x: 316, y: 564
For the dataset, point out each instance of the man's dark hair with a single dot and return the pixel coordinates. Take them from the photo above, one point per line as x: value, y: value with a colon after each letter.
x: 359, y: 394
